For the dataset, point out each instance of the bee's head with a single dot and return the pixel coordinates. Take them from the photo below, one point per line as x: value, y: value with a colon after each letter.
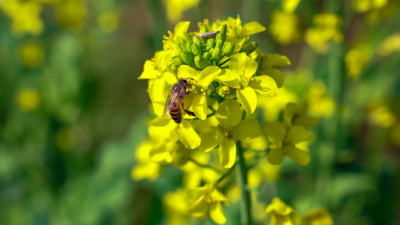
x: 184, y: 82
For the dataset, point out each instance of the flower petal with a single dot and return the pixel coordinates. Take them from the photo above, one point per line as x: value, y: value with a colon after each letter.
x: 229, y: 113
x: 243, y: 64
x: 161, y: 128
x: 227, y: 153
x: 186, y: 71
x: 275, y: 132
x: 229, y: 78
x: 275, y: 156
x: 207, y: 75
x: 299, y: 156
x: 199, y: 207
x: 248, y: 99
x: 252, y: 28
x: 181, y: 28
x: 298, y: 134
x: 264, y: 85
x: 199, y: 105
x: 149, y: 71
x: 247, y: 129
x: 157, y: 90
x: 210, y: 139
x: 216, y: 213
x: 189, y: 138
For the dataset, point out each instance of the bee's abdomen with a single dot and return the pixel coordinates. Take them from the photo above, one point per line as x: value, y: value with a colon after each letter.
x: 176, y: 114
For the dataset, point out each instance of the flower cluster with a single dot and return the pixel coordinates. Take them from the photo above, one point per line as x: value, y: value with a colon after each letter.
x: 227, y: 76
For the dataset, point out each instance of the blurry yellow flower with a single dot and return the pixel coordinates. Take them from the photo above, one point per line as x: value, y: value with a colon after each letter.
x: 317, y: 217
x: 285, y: 27
x: 295, y: 115
x: 264, y: 171
x: 356, y: 59
x: 194, y: 174
x: 25, y: 16
x: 32, y: 54
x: 28, y: 99
x: 240, y: 75
x: 390, y: 45
x: 71, y: 13
x: 290, y: 5
x: 108, y: 21
x: 283, y: 141
x: 365, y: 5
x: 176, y: 206
x: 320, y: 102
x: 281, y: 214
x: 207, y: 200
x: 381, y: 115
x: 274, y: 106
x: 269, y: 65
x: 176, y: 8
x: 326, y: 28
x: 228, y: 128
x: 145, y: 167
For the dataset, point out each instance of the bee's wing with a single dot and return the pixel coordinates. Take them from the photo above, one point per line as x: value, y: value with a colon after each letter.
x: 167, y: 108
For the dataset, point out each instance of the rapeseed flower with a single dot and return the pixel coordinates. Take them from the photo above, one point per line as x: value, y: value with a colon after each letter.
x: 28, y: 99
x: 281, y: 214
x: 285, y: 27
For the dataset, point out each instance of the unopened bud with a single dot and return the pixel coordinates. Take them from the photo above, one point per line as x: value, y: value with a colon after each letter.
x: 196, y: 50
x: 196, y: 40
x: 223, y: 90
x: 210, y: 44
x: 188, y: 46
x: 187, y: 58
x: 216, y: 53
x: 203, y: 29
x: 219, y: 44
x: 249, y: 47
x: 207, y: 56
x: 228, y: 48
x: 223, y: 33
x: 187, y: 38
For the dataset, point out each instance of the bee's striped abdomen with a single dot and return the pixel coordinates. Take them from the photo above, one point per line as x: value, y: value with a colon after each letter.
x: 176, y: 113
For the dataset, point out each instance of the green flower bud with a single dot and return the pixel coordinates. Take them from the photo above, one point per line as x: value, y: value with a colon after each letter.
x: 249, y: 47
x: 187, y: 58
x: 223, y: 90
x: 218, y: 37
x: 188, y: 47
x: 228, y: 48
x: 219, y: 44
x: 196, y: 49
x: 216, y: 53
x: 182, y: 46
x: 196, y: 40
x: 223, y: 33
x: 206, y: 55
x: 187, y: 38
x: 176, y: 61
x: 210, y: 44
x: 203, y: 29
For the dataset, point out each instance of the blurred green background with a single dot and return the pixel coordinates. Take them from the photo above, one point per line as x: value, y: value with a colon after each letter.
x: 72, y: 110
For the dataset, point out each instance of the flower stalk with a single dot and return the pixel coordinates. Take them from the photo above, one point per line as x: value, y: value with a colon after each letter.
x: 242, y: 181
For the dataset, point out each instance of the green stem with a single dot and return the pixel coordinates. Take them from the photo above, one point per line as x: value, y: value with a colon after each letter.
x: 242, y: 181
x: 228, y: 173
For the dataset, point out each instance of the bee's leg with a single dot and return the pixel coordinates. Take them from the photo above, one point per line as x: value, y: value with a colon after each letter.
x: 187, y: 111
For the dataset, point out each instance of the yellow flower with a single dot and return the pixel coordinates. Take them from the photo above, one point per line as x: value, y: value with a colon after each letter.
x: 281, y: 214
x: 274, y: 106
x: 269, y: 65
x: 263, y: 171
x: 240, y: 75
x: 320, y: 102
x: 290, y: 5
x: 194, y: 174
x: 295, y: 115
x: 207, y: 200
x: 356, y: 59
x: 317, y: 217
x: 176, y: 206
x: 25, y: 16
x: 108, y: 21
x: 390, y: 45
x: 325, y: 29
x: 365, y: 5
x: 285, y: 27
x: 225, y: 128
x: 146, y: 168
x: 381, y: 115
x: 32, y: 54
x: 28, y: 99
x: 176, y: 8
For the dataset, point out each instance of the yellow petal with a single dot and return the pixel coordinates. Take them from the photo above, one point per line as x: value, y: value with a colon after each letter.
x: 243, y: 64
x: 252, y: 28
x: 275, y: 156
x: 207, y: 75
x: 157, y: 90
x: 210, y: 139
x: 198, y: 208
x: 229, y: 78
x: 229, y: 113
x: 298, y: 134
x: 161, y: 128
x: 299, y: 156
x: 189, y: 138
x: 216, y: 213
x: 227, y: 153
x: 248, y: 99
x: 247, y: 129
x: 186, y: 71
x: 264, y: 85
x: 199, y: 105
x: 275, y: 132
x: 218, y: 196
x: 149, y: 71
x: 181, y: 28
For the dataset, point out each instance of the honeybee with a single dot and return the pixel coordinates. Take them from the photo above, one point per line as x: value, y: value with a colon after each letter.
x: 174, y: 105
